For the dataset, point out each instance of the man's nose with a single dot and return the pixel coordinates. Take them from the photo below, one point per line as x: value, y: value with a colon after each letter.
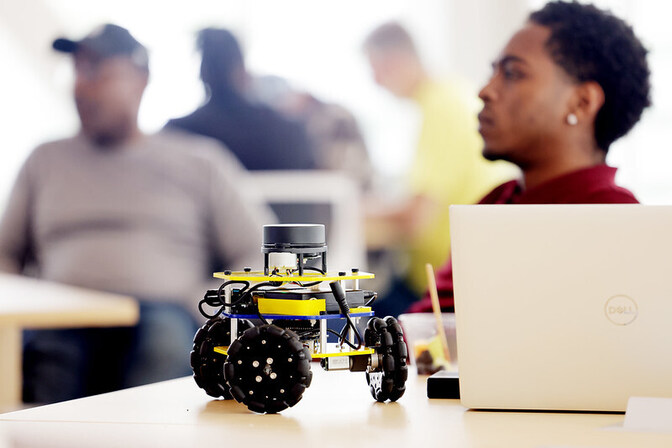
x: 488, y: 91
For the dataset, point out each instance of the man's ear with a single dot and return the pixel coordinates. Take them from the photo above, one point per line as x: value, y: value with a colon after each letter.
x: 589, y: 100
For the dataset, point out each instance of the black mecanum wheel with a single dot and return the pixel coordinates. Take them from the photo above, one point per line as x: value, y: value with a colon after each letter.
x: 208, y: 365
x: 268, y: 369
x: 387, y: 381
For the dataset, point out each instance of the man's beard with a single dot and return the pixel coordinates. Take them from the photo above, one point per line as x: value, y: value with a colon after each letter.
x: 109, y: 137
x: 493, y: 156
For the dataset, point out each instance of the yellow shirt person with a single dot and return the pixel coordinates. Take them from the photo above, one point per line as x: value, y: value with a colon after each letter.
x: 448, y: 168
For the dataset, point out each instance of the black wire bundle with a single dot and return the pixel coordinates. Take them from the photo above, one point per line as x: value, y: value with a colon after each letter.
x: 310, y: 268
x: 245, y: 294
x: 339, y: 295
x: 217, y: 301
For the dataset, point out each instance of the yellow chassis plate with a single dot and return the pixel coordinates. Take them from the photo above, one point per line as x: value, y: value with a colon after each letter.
x: 222, y: 350
x: 346, y: 351
x: 259, y: 276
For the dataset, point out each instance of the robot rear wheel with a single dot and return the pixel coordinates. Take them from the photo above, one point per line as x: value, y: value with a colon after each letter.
x: 388, y: 380
x: 208, y: 365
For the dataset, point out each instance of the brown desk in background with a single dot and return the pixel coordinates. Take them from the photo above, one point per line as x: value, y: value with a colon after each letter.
x: 27, y: 303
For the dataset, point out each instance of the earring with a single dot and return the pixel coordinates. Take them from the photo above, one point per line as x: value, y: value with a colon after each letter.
x: 572, y: 120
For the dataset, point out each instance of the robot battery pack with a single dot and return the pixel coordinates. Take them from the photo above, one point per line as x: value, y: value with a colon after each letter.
x: 355, y: 298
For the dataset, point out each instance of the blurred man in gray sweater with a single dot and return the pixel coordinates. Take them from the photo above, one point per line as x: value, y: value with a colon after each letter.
x: 117, y: 210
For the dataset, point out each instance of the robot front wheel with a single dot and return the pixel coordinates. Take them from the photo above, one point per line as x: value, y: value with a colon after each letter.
x: 268, y: 369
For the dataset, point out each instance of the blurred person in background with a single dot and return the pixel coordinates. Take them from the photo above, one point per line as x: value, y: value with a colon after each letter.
x: 447, y: 166
x: 569, y: 83
x: 333, y: 132
x: 260, y: 137
x: 116, y: 210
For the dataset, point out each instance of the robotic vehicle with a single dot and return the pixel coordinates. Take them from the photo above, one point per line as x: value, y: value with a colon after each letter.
x: 265, y: 327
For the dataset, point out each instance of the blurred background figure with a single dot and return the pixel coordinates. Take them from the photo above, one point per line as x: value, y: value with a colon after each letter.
x: 333, y: 132
x: 447, y: 167
x: 118, y: 210
x: 260, y: 137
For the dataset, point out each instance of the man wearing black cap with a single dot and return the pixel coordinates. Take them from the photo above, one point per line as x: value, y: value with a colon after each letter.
x: 117, y: 210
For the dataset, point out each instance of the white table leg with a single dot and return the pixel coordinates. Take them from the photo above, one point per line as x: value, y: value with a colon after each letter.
x: 10, y: 368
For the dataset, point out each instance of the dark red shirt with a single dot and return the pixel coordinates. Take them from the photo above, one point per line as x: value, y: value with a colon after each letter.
x: 594, y: 185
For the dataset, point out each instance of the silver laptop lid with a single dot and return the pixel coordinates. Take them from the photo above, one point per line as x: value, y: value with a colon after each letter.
x: 565, y: 307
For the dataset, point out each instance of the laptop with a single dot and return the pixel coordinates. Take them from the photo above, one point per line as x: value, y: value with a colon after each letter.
x: 562, y: 307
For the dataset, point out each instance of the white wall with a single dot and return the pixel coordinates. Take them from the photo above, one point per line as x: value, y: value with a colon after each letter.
x: 478, y: 30
x: 315, y: 44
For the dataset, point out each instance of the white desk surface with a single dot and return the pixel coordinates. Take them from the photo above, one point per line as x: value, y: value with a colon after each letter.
x: 337, y: 410
x: 31, y: 303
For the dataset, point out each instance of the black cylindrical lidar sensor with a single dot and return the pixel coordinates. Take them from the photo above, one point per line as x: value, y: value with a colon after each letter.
x: 294, y: 236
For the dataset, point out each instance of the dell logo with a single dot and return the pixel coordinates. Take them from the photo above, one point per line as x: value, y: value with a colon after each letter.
x: 621, y: 310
